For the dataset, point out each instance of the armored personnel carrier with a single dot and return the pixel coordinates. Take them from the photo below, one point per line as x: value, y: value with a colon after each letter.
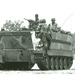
x: 16, y: 50
x: 51, y: 50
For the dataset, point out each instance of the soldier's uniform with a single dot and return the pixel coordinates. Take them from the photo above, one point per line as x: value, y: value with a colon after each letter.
x: 33, y: 24
x: 36, y: 17
x: 45, y: 35
x: 53, y: 25
x: 36, y: 22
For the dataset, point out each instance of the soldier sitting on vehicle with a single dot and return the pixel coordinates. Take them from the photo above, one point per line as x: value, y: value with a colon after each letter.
x: 53, y: 25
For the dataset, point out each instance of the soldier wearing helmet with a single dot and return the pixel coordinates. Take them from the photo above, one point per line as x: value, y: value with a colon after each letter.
x: 53, y: 24
x: 36, y: 17
x: 35, y: 22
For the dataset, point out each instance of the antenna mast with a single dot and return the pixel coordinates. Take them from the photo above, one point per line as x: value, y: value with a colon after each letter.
x: 67, y: 19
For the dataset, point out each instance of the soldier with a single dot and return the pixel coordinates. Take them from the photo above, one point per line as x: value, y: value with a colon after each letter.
x: 45, y: 36
x: 36, y: 22
x: 33, y: 24
x: 53, y: 24
x: 36, y: 17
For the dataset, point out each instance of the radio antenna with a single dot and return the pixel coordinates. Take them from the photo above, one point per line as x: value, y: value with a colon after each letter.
x: 67, y: 19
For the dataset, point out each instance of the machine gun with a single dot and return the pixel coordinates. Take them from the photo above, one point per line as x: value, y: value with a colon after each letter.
x: 29, y: 20
x: 34, y: 24
x: 31, y: 23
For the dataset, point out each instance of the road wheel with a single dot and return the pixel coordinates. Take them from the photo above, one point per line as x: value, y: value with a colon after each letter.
x: 56, y: 63
x: 52, y: 63
x: 47, y: 63
x: 43, y: 64
x: 65, y: 63
x: 61, y: 63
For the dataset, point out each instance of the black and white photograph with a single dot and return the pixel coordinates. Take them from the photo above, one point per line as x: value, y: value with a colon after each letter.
x: 37, y: 37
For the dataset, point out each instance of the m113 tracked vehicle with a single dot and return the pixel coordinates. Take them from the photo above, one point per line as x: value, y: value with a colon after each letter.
x: 50, y: 49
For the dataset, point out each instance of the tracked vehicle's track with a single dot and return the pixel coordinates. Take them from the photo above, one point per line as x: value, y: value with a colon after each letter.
x: 16, y: 66
x: 55, y: 63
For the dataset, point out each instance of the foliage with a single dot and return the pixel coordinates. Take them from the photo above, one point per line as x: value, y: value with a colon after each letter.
x: 12, y: 26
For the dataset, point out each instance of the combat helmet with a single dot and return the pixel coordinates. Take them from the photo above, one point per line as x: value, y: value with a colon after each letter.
x: 53, y: 19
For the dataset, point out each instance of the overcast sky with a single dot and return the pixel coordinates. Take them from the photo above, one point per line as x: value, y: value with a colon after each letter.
x: 62, y: 10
